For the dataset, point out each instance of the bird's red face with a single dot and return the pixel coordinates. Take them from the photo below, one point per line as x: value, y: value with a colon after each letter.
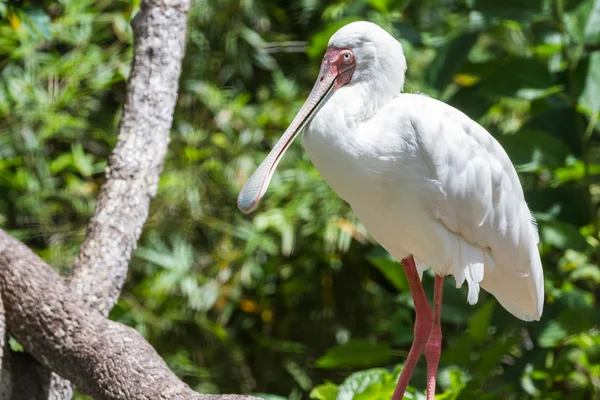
x: 339, y: 64
x: 337, y: 68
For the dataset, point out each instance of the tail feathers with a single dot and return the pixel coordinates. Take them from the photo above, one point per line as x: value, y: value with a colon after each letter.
x: 421, y: 267
x: 515, y: 278
x: 469, y: 265
x: 521, y: 294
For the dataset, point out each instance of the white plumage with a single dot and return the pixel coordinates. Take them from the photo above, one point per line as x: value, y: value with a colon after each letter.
x: 425, y: 179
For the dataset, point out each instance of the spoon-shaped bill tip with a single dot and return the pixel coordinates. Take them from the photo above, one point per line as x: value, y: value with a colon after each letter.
x: 254, y: 189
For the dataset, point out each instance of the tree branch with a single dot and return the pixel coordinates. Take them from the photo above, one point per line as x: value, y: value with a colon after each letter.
x: 105, y: 359
x: 135, y: 164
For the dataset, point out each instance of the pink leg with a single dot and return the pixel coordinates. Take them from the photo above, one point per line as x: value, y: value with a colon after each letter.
x: 433, y: 349
x: 423, y: 322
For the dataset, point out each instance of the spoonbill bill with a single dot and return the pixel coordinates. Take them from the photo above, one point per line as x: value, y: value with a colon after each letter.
x: 432, y: 186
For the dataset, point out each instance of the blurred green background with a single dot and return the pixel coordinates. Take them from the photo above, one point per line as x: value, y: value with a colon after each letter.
x: 296, y: 301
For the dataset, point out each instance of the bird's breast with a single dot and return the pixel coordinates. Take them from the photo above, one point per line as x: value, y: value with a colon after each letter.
x: 362, y: 166
x: 380, y: 174
x: 353, y: 174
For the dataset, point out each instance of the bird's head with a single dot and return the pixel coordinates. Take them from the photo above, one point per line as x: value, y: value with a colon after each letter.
x: 358, y: 53
x: 362, y: 52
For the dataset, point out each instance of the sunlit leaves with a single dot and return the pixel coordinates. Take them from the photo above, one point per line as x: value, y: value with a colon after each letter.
x: 326, y: 391
x: 360, y: 382
x: 579, y: 267
x: 371, y: 384
x: 246, y: 303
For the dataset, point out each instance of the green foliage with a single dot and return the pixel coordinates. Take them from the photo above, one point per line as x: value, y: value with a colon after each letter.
x: 379, y: 384
x: 296, y: 294
x: 356, y: 353
x: 376, y: 384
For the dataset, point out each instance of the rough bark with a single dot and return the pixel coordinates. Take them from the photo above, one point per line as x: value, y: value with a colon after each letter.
x: 105, y: 359
x: 135, y: 164
x: 57, y: 387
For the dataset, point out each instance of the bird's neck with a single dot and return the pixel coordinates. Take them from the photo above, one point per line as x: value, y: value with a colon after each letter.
x: 351, y: 106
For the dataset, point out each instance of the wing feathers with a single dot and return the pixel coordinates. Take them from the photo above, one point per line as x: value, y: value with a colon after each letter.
x: 479, y: 198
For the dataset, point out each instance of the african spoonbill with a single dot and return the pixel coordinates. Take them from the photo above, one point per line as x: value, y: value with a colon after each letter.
x: 432, y: 186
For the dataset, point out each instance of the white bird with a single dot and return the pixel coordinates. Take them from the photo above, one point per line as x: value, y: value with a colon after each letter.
x: 432, y: 186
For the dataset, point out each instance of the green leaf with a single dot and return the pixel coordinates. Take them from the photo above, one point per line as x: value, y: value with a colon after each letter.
x: 587, y: 272
x: 358, y: 382
x: 575, y: 170
x: 60, y: 163
x: 326, y: 391
x: 557, y: 122
x: 572, y: 297
x: 480, y: 321
x: 200, y: 298
x: 528, y: 384
x: 40, y: 21
x: 390, y: 268
x: 589, y: 100
x: 552, y: 334
x: 509, y: 9
x: 583, y: 23
x: 561, y: 235
x: 380, y: 5
x: 492, y: 356
x: 449, y: 59
x: 356, y: 353
x: 407, y: 31
x: 454, y: 379
x: 266, y: 396
x: 81, y: 161
x: 14, y: 345
x: 518, y: 76
x: 579, y: 320
x: 592, y: 27
x: 532, y: 150
x: 318, y: 42
x: 377, y: 391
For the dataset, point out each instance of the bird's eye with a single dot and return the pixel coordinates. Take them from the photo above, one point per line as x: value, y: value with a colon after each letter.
x: 347, y: 56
